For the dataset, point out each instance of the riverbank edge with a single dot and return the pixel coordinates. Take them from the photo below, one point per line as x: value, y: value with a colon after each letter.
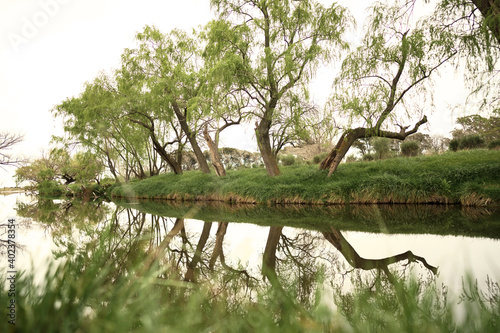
x: 469, y: 178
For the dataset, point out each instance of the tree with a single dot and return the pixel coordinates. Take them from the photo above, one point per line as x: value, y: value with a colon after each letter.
x: 292, y: 124
x: 224, y: 108
x: 92, y: 120
x: 395, y: 60
x: 488, y: 128
x: 424, y: 141
x: 270, y: 49
x: 163, y: 78
x: 82, y: 167
x: 475, y: 27
x: 7, y: 140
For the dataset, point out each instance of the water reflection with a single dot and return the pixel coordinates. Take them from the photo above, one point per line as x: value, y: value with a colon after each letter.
x: 298, y: 266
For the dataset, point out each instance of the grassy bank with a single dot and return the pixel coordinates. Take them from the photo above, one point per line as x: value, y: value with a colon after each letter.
x: 466, y: 177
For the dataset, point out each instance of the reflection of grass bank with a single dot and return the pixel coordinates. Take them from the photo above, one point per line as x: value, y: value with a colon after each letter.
x: 466, y: 177
x: 393, y: 219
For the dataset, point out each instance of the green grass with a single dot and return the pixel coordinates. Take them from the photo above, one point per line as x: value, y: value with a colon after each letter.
x: 465, y: 177
x: 95, y: 297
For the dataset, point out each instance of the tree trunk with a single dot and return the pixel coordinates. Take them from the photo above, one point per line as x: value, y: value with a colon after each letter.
x: 111, y: 165
x: 202, y: 161
x: 159, y: 251
x: 176, y: 167
x: 190, y: 275
x: 490, y: 9
x: 269, y: 256
x: 266, y: 152
x: 218, y: 249
x: 213, y: 147
x: 336, y: 238
x: 332, y: 161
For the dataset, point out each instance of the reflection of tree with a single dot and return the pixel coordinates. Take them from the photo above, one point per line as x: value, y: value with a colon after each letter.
x: 334, y: 237
x: 184, y: 256
x: 63, y: 213
x: 218, y: 252
x: 389, y: 292
x: 190, y: 274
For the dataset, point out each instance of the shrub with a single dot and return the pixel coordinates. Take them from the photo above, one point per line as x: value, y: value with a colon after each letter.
x: 318, y: 158
x: 495, y: 144
x: 287, y: 159
x: 382, y: 147
x: 410, y: 148
x: 473, y: 141
x: 351, y: 158
x: 368, y: 157
x: 454, y: 144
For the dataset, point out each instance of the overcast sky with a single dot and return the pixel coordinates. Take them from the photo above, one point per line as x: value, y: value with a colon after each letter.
x: 50, y: 48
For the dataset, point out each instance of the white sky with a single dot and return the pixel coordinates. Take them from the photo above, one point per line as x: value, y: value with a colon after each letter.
x: 50, y: 48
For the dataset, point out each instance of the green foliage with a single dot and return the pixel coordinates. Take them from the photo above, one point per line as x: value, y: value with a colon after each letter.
x: 474, y: 25
x: 46, y: 173
x: 391, y: 67
x: 495, y: 144
x: 320, y: 157
x: 288, y: 159
x: 351, y: 158
x: 381, y: 147
x: 410, y: 148
x: 50, y: 188
x: 454, y: 144
x: 272, y: 57
x: 368, y: 157
x: 472, y: 141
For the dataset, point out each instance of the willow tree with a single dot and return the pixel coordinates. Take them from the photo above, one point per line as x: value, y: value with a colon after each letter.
x: 92, y: 120
x: 271, y: 49
x: 475, y: 25
x: 166, y: 70
x: 384, y: 81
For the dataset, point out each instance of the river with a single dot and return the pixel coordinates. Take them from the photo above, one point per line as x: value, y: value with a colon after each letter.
x: 331, y: 249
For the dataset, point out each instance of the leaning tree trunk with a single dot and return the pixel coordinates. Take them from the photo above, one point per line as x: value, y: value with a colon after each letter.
x: 213, y: 147
x: 335, y: 237
x: 202, y: 161
x: 266, y: 152
x: 332, y: 161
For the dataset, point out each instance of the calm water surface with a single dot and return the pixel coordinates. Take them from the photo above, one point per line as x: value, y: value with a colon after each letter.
x: 442, y: 244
